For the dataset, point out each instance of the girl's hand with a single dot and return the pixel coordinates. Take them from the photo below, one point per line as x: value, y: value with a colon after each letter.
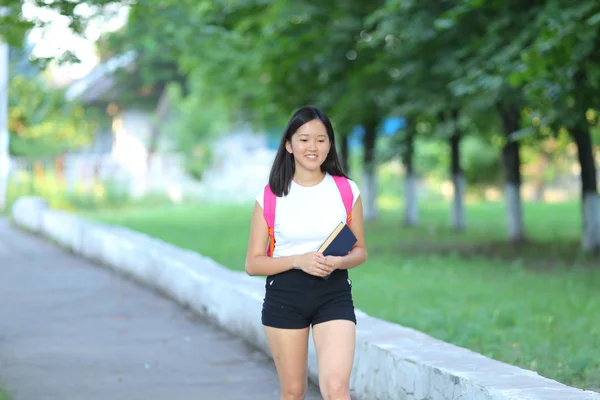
x: 314, y: 263
x: 334, y: 262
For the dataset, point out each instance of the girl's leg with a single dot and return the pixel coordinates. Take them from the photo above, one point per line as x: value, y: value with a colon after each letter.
x: 290, y: 350
x: 334, y: 342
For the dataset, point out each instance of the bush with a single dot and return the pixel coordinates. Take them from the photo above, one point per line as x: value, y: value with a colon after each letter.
x: 106, y: 194
x: 198, y: 161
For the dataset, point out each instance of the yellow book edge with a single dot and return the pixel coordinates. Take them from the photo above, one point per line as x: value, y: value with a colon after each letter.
x: 331, y: 237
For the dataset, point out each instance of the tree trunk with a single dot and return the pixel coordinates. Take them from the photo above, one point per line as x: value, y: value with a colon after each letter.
x: 457, y: 216
x: 411, y: 209
x: 369, y: 189
x: 161, y: 112
x: 512, y: 176
x: 589, y: 193
x: 458, y: 180
x: 345, y: 153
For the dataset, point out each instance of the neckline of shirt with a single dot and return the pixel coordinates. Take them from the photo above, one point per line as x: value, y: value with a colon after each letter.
x: 313, y: 186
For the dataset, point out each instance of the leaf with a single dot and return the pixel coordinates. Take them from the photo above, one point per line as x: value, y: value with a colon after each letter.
x: 594, y: 19
x: 443, y: 23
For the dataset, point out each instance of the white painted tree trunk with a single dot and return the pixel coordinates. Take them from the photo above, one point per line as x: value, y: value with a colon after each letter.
x: 369, y: 196
x: 591, y: 222
x: 590, y: 240
x: 514, y: 212
x: 411, y: 211
x: 458, y: 220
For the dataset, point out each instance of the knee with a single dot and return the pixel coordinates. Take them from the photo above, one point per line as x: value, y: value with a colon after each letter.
x: 336, y: 389
x: 293, y: 391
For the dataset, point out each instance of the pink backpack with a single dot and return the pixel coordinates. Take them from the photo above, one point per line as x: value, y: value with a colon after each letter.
x: 270, y: 200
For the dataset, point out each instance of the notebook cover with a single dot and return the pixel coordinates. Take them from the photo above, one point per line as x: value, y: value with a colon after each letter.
x: 341, y: 244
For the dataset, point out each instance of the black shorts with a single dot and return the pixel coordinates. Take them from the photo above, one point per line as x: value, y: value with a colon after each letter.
x: 296, y: 300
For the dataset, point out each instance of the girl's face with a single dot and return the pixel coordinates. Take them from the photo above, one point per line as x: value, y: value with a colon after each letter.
x: 309, y: 145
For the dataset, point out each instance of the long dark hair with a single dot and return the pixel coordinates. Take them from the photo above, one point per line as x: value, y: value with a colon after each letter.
x: 284, y: 166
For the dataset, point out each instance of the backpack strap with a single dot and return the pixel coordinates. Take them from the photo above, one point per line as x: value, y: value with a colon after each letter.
x: 269, y: 202
x: 347, y: 195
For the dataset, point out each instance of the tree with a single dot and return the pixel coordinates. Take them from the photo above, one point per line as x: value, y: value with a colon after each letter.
x: 42, y: 123
x: 195, y: 121
x: 14, y: 25
x: 421, y: 60
x: 561, y: 76
x: 155, y: 67
x: 301, y: 53
x: 496, y: 34
x: 156, y: 56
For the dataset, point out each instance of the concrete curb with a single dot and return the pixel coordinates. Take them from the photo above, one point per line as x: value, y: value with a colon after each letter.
x: 391, y: 362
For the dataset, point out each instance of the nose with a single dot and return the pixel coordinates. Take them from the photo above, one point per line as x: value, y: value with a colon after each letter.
x: 312, y: 145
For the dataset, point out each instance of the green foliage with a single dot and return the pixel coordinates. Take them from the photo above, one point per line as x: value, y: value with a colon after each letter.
x: 51, y: 187
x: 198, y: 161
x: 156, y: 55
x: 480, y: 155
x: 196, y: 121
x: 12, y: 30
x: 14, y: 25
x: 197, y: 117
x: 561, y: 66
x: 531, y: 307
x: 300, y: 54
x: 420, y: 59
x: 363, y: 59
x: 42, y: 123
x: 480, y: 160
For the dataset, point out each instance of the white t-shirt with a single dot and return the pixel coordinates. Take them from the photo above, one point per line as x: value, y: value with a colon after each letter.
x: 305, y: 218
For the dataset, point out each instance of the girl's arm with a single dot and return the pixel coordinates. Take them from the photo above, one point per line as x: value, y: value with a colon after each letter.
x: 257, y: 262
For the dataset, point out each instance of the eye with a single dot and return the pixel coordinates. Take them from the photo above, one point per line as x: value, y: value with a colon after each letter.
x: 321, y: 141
x: 303, y: 140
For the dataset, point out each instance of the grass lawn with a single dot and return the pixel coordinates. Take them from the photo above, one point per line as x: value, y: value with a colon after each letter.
x: 535, y: 306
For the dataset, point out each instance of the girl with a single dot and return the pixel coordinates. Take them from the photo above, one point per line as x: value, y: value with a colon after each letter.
x: 308, y: 208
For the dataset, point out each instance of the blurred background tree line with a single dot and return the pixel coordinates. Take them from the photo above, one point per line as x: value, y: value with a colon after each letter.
x: 487, y: 91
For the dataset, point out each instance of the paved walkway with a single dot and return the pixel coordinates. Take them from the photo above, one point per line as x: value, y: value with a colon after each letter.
x: 70, y: 330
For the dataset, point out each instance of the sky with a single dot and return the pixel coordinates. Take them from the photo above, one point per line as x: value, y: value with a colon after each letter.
x: 57, y: 37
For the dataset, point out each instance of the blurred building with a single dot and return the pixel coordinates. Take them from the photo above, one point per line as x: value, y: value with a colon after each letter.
x: 122, y: 152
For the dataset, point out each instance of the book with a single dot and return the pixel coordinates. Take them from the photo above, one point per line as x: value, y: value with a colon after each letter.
x: 339, y: 242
